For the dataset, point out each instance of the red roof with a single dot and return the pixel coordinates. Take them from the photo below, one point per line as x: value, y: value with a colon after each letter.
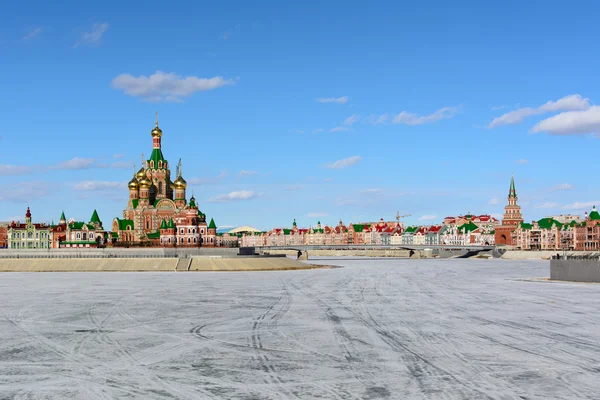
x: 435, y: 228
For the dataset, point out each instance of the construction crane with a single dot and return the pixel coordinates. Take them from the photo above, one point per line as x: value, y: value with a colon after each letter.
x: 398, y: 216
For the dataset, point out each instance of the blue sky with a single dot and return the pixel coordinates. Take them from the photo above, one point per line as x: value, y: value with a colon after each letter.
x: 309, y: 110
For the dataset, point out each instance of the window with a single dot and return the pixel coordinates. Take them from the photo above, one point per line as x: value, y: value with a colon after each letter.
x: 189, y: 230
x: 160, y: 186
x: 181, y: 240
x: 189, y: 240
x: 78, y: 236
x: 182, y: 231
x: 194, y: 240
x: 202, y: 231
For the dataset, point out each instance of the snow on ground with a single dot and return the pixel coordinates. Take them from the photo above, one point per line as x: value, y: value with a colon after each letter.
x: 376, y: 329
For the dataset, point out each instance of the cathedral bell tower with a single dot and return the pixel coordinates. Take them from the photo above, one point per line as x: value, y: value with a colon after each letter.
x: 512, y: 218
x: 158, y: 168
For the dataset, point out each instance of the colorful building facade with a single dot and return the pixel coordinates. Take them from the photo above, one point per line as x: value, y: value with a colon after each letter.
x: 158, y: 212
x: 28, y: 235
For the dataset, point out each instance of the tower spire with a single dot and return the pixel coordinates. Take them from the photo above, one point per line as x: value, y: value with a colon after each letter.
x: 156, y: 123
x: 512, y: 193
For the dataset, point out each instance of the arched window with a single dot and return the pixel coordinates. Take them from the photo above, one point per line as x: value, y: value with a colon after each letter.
x: 159, y: 164
x: 202, y: 231
x: 169, y: 240
x: 160, y: 186
x: 78, y: 236
x: 189, y: 230
x: 30, y: 235
x: 181, y: 240
x: 189, y: 240
x: 194, y: 240
x: 147, y: 224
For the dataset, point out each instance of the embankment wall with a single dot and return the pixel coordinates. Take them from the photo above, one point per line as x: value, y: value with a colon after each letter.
x: 575, y: 270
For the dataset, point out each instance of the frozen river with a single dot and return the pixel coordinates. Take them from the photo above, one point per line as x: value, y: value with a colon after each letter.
x: 376, y: 329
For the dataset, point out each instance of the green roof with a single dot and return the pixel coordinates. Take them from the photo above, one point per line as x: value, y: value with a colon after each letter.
x: 594, y: 215
x: 153, y: 235
x: 358, y: 227
x: 156, y: 156
x: 95, y: 219
x: 124, y: 223
x: 411, y: 229
x: 526, y: 226
x: 491, y: 232
x: 469, y: 227
x: 286, y: 231
x: 114, y: 234
x: 192, y: 202
x: 135, y: 203
x: 294, y: 224
x: 171, y: 224
x: 547, y: 223
x: 163, y: 224
x: 212, y: 224
x: 79, y: 225
x: 321, y: 230
x: 62, y: 216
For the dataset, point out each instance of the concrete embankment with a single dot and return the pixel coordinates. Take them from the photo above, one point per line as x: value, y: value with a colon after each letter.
x: 542, y: 254
x: 247, y: 264
x: 575, y: 270
x: 86, y: 264
x: 211, y: 263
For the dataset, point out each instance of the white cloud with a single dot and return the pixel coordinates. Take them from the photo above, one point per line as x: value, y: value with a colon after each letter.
x: 340, y: 100
x: 25, y: 190
x: 33, y: 33
x: 98, y: 185
x: 562, y: 186
x: 93, y: 37
x: 316, y: 214
x: 522, y: 161
x: 244, y: 173
x: 377, y: 119
x: 413, y: 119
x: 372, y: 190
x: 351, y: 120
x: 234, y: 196
x: 493, y: 201
x: 294, y: 187
x: 580, y: 205
x: 344, y: 162
x: 162, y: 86
x: 496, y: 108
x: 318, y: 130
x: 427, y: 217
x: 567, y: 103
x: 75, y: 163
x: 338, y: 129
x: 571, y: 123
x: 548, y: 204
x: 119, y: 155
x: 7, y: 169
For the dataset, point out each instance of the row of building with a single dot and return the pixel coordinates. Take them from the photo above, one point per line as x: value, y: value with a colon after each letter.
x: 158, y: 213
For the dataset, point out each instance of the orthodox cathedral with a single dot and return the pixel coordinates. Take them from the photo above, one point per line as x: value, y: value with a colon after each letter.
x: 157, y: 212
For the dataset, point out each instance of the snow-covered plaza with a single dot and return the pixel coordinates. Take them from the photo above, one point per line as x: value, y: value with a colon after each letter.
x: 375, y: 329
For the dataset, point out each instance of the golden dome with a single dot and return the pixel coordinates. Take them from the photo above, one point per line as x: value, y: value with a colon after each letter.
x: 140, y: 174
x: 180, y: 183
x: 133, y: 184
x: 156, y: 132
x: 145, y: 182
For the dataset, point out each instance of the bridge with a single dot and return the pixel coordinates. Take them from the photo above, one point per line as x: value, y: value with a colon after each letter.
x: 460, y: 248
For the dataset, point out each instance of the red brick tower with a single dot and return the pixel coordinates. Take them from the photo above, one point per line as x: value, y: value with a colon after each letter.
x: 512, y: 218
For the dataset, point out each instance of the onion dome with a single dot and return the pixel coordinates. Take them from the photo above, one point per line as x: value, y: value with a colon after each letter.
x: 145, y: 182
x: 156, y: 132
x: 192, y: 202
x: 140, y: 174
x: 180, y: 183
x: 133, y: 184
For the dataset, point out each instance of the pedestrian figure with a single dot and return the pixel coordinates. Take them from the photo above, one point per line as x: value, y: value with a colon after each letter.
x: 299, y: 254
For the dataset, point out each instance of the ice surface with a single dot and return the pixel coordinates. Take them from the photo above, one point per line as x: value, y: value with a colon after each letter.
x: 376, y: 329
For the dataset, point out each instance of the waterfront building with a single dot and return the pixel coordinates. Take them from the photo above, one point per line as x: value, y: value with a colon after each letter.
x: 587, y: 234
x: 156, y: 201
x: 3, y: 235
x: 511, y: 220
x: 28, y: 235
x: 549, y: 234
x: 78, y: 234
